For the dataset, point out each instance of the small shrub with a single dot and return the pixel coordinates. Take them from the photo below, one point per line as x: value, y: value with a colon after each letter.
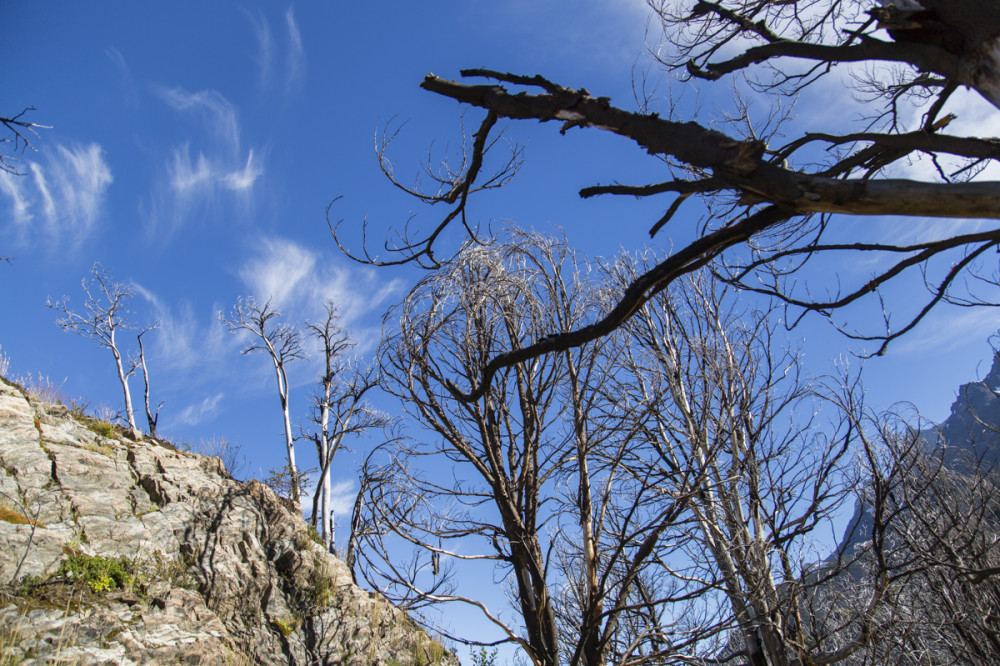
x: 425, y: 654
x: 78, y: 407
x: 484, y: 658
x: 314, y: 535
x: 101, y: 427
x: 283, y: 479
x: 177, y: 572
x: 230, y: 453
x: 435, y: 652
x: 28, y: 585
x: 100, y: 574
x: 105, y: 413
x: 286, y: 626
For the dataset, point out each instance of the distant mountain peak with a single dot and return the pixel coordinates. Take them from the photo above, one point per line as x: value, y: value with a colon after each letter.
x: 992, y: 380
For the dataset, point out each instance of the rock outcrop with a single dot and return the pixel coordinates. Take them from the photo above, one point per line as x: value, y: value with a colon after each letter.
x: 136, y: 553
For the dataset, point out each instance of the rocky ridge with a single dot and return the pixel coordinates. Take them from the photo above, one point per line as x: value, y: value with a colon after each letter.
x: 209, y: 570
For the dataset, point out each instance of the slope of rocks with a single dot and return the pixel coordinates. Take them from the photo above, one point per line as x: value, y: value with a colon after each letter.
x: 218, y: 571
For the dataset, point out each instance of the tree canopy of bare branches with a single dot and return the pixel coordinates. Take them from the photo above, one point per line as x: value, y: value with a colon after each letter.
x: 658, y: 495
x: 526, y: 480
x: 19, y: 132
x: 774, y: 203
x: 105, y: 312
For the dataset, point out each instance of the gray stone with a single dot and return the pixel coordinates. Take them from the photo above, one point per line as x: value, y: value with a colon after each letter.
x: 227, y: 574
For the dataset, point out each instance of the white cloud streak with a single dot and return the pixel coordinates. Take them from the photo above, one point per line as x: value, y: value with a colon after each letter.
x: 199, y: 179
x: 342, y: 494
x: 973, y: 116
x: 342, y: 497
x: 242, y: 180
x: 182, y: 343
x: 299, y: 282
x: 200, y: 412
x: 265, y: 45
x: 295, y: 62
x: 187, y: 175
x: 292, y: 59
x: 61, y: 199
x: 948, y: 328
x: 212, y: 107
x: 13, y: 187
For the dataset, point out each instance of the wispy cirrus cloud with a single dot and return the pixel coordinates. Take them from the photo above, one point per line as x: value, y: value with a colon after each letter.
x: 191, y: 176
x: 295, y: 59
x: 265, y: 45
x: 948, y: 328
x: 291, y: 60
x: 211, y: 107
x: 300, y: 281
x: 184, y: 341
x: 342, y: 495
x: 200, y: 412
x: 221, y: 167
x: 60, y: 199
x: 243, y: 179
x: 127, y: 82
x: 971, y: 115
x: 280, y: 272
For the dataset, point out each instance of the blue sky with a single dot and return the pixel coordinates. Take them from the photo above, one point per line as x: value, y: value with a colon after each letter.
x: 194, y: 148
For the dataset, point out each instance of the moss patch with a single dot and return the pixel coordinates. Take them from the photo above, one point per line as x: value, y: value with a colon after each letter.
x: 9, y: 515
x: 286, y: 626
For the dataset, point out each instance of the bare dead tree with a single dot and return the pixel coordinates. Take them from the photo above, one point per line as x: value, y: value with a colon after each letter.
x: 283, y: 344
x: 773, y: 205
x: 105, y: 312
x: 733, y: 427
x: 526, y: 479
x: 341, y: 410
x: 446, y: 327
x: 152, y: 416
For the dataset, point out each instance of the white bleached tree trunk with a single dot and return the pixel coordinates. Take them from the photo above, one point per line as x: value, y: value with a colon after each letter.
x: 105, y: 311
x: 283, y: 344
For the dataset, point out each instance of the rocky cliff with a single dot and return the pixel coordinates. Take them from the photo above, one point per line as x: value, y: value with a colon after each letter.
x: 133, y: 552
x: 971, y: 433
x: 968, y: 438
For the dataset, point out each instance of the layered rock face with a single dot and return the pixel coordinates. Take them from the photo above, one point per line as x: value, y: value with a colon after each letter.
x: 219, y: 571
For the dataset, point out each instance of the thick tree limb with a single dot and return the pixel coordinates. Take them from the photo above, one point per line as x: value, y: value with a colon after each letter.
x: 692, y: 257
x: 679, y: 186
x: 913, y: 141
x: 738, y: 164
x: 924, y: 57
